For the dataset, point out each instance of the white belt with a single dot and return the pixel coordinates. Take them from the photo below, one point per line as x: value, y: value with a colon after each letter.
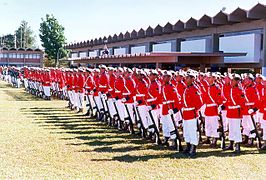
x: 125, y: 94
x: 249, y: 104
x: 102, y: 86
x: 140, y: 95
x: 188, y: 109
x: 264, y: 109
x: 234, y: 107
x: 167, y: 102
x: 110, y: 89
x: 211, y: 105
x: 117, y: 91
x: 150, y: 100
x: 87, y: 87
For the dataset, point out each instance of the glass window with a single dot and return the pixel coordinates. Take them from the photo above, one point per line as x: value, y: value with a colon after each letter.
x: 5, y: 55
x: 1, y: 55
x: 27, y: 56
x: 30, y: 56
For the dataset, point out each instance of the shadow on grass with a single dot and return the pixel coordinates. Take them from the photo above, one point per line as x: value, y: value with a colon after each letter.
x: 101, y: 138
x: 21, y: 96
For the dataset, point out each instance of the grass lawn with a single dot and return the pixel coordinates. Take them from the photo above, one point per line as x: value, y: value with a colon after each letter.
x: 43, y: 139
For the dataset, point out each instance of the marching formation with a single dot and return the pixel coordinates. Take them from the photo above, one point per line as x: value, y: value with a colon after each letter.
x: 182, y: 105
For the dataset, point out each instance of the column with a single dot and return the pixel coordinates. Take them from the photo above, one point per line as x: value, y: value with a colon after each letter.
x: 128, y: 49
x: 264, y: 52
x: 111, y: 51
x: 149, y: 46
x: 176, y: 45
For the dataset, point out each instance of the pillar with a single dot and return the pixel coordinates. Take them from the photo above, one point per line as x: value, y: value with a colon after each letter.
x: 149, y: 46
x: 176, y: 45
x: 212, y: 44
x: 128, y: 49
x: 111, y: 51
x: 264, y: 52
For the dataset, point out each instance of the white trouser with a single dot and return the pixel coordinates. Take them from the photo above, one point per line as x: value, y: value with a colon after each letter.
x: 89, y: 102
x: 235, y: 130
x: 130, y: 107
x: 71, y: 97
x: 111, y: 107
x: 263, y: 126
x: 259, y: 116
x: 168, y: 126
x: 18, y: 83
x: 65, y: 91
x: 155, y: 115
x: 211, y: 126
x: 225, y: 120
x: 121, y: 109
x: 80, y: 102
x: 143, y: 112
x: 190, y: 131
x: 47, y: 91
x: 248, y: 126
x: 98, y: 103
x: 26, y: 84
x: 75, y: 98
x: 202, y: 110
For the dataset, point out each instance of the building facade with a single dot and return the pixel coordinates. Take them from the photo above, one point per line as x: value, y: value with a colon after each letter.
x: 21, y: 57
x: 241, y: 31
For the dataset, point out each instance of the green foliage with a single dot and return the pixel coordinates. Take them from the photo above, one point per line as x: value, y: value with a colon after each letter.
x: 53, y: 38
x: 24, y: 37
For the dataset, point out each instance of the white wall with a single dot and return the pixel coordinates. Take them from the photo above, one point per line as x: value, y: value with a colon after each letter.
x: 137, y: 49
x: 93, y: 53
x: 163, y: 47
x: 193, y: 45
x: 120, y: 51
x: 247, y: 43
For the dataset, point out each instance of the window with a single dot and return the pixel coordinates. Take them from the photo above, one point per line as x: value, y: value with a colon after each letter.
x: 5, y: 55
x: 1, y: 55
x: 26, y: 56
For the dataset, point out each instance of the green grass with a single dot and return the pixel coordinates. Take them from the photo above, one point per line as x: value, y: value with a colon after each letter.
x: 42, y: 139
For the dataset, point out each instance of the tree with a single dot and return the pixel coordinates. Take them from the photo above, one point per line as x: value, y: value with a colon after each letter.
x: 53, y: 38
x: 8, y: 41
x: 25, y: 37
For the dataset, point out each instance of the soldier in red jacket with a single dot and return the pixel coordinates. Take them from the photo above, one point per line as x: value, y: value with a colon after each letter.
x: 212, y: 100
x: 170, y: 105
x: 47, y: 84
x: 234, y: 113
x: 263, y: 111
x: 191, y: 103
x: 251, y: 96
x: 225, y: 91
x: 80, y: 89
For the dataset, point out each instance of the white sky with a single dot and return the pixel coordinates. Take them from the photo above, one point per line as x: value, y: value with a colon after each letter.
x: 87, y: 19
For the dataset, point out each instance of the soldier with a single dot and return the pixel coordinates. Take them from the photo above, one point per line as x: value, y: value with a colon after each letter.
x: 212, y: 99
x: 80, y: 90
x: 191, y: 103
x: 170, y: 105
x: 263, y: 112
x: 47, y: 84
x: 234, y: 114
x: 251, y: 96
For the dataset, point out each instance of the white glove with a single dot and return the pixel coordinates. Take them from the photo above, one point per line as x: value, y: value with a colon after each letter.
x: 91, y: 92
x: 250, y: 111
x: 149, y: 108
x: 99, y: 93
x: 124, y: 100
x: 171, y: 111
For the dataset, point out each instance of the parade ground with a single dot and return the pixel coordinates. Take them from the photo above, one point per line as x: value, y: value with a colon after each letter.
x: 43, y: 139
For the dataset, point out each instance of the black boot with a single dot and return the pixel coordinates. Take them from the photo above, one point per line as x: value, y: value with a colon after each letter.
x: 165, y: 141
x: 207, y: 141
x: 245, y: 139
x: 237, y: 148
x: 250, y: 143
x: 214, y: 143
x: 230, y: 146
x: 186, y: 151
x: 173, y: 144
x: 192, y: 152
x: 263, y: 147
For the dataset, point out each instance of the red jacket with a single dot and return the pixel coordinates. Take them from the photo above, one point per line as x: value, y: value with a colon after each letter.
x: 191, y: 102
x: 212, y: 98
x: 119, y: 87
x: 170, y: 98
x: 130, y: 90
x: 234, y: 103
x: 154, y: 95
x: 251, y: 96
x: 142, y: 92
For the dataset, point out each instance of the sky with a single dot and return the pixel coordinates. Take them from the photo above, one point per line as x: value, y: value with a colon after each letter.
x: 89, y: 19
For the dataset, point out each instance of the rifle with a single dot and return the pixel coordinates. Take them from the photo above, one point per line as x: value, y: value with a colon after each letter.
x: 90, y: 109
x: 221, y: 130
x: 255, y: 130
x: 118, y: 116
x: 107, y: 112
x: 142, y: 129
x: 177, y: 139
x: 130, y: 120
x: 199, y: 126
x: 155, y: 128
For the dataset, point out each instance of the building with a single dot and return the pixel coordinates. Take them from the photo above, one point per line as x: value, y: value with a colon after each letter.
x: 21, y: 57
x: 241, y: 31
